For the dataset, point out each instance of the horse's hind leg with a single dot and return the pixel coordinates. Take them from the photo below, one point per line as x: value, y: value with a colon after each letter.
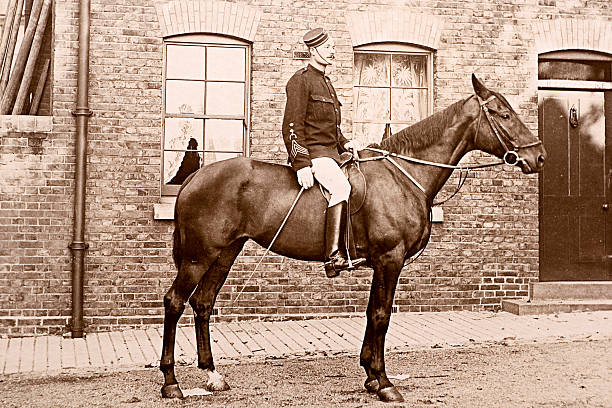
x: 188, y: 276
x: 202, y: 302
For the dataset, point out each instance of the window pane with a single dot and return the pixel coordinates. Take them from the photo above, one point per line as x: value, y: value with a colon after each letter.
x: 179, y: 133
x: 178, y: 165
x: 184, y: 62
x: 408, y: 105
x: 372, y: 104
x: 409, y: 70
x: 367, y: 133
x: 371, y: 69
x: 225, y: 64
x: 225, y: 135
x: 185, y: 97
x: 210, y: 157
x: 224, y: 98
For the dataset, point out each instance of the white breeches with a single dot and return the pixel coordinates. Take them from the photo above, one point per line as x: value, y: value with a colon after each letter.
x: 327, y: 172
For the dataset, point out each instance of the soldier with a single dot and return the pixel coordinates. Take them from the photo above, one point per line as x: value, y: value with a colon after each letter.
x: 312, y: 135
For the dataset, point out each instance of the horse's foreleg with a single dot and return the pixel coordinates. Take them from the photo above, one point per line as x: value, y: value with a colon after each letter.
x: 378, y: 315
x: 174, y: 303
x: 203, y: 302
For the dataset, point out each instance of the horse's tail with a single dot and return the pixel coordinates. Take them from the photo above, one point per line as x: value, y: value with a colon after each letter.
x: 177, y: 254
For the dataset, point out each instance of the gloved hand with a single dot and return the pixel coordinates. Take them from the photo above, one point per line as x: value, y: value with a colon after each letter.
x: 305, y: 178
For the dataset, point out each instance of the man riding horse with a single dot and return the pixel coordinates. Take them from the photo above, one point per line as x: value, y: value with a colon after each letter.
x: 312, y: 135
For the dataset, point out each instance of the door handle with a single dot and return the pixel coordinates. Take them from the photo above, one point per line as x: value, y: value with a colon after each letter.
x: 605, y: 207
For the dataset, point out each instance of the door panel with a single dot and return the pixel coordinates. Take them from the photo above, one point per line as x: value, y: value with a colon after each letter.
x: 574, y: 231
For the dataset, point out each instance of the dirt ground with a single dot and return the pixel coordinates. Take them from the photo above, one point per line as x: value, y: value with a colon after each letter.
x: 570, y: 374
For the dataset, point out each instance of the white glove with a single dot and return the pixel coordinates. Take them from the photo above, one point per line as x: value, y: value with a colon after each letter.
x: 305, y: 178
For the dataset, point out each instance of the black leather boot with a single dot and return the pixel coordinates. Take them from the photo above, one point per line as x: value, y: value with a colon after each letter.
x: 335, y: 241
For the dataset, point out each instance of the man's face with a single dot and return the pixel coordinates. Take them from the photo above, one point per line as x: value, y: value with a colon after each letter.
x: 324, y: 53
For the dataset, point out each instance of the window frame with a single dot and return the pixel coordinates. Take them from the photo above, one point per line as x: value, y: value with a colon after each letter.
x: 205, y: 40
x: 396, y: 48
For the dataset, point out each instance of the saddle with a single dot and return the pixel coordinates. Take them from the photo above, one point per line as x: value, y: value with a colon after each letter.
x: 356, y: 179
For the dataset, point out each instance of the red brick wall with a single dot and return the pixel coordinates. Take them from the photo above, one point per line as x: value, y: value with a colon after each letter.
x: 486, y: 248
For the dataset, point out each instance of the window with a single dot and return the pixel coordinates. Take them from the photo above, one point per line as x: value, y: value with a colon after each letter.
x: 205, y: 104
x: 392, y: 85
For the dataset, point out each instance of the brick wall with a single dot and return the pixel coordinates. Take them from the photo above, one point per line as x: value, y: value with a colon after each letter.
x: 486, y: 248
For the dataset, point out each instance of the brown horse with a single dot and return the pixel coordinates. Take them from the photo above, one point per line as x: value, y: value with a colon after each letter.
x: 224, y: 204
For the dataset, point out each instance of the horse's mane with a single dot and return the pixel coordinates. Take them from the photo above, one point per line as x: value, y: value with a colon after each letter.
x: 424, y: 133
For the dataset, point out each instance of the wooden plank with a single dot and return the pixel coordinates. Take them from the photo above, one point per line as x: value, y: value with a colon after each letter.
x: 332, y: 335
x: 268, y: 347
x: 121, y: 350
x: 54, y: 354
x: 223, y: 347
x: 145, y: 346
x: 188, y: 350
x: 107, y: 351
x: 441, y: 333
x: 156, y: 342
x: 454, y: 331
x: 319, y: 339
x: 407, y: 329
x: 3, y: 352
x: 400, y: 331
x: 280, y: 334
x: 392, y: 339
x: 93, y: 350
x: 80, y: 353
x: 246, y: 339
x: 40, y: 354
x: 11, y: 366
x: 133, y: 347
x: 479, y: 332
x: 68, y: 357
x: 289, y: 328
x: 231, y: 337
x: 415, y: 326
x: 26, y: 358
x: 352, y: 327
x: 271, y: 337
x: 483, y: 324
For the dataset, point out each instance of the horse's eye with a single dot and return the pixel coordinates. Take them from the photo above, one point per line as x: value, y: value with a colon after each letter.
x: 505, y: 115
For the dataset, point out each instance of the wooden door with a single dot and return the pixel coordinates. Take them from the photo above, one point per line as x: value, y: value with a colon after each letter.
x: 575, y: 219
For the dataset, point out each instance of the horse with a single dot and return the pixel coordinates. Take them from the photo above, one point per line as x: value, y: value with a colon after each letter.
x: 222, y: 205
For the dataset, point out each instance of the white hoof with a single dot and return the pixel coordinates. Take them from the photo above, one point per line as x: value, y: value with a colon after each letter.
x: 216, y: 381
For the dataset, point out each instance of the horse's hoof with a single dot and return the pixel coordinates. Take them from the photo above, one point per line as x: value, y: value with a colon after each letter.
x: 172, y: 391
x: 390, y: 394
x: 371, y: 386
x: 216, y: 382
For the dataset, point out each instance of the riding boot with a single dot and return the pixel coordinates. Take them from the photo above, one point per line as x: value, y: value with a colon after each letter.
x: 335, y: 241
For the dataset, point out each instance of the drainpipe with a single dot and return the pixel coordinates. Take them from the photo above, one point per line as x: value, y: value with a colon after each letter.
x: 82, y: 113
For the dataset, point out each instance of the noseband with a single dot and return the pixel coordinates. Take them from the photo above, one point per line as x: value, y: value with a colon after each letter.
x: 511, y: 155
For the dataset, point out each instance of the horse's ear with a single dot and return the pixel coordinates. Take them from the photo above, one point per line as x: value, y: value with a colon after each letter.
x: 479, y: 88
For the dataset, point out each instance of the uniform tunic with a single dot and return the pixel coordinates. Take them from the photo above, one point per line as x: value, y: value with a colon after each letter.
x: 311, y: 125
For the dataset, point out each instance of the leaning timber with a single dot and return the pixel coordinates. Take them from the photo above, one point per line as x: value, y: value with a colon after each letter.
x: 12, y: 43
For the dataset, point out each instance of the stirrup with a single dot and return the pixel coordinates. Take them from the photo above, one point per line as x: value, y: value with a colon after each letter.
x: 338, y: 262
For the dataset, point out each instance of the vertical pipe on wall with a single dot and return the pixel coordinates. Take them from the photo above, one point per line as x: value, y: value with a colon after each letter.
x: 82, y: 113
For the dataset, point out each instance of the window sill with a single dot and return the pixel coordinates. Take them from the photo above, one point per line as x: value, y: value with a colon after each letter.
x: 165, y: 209
x: 25, y: 124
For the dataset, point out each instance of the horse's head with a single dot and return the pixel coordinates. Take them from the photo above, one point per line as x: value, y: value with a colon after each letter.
x: 499, y: 131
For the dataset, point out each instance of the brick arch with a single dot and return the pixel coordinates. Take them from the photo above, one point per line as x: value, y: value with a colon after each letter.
x: 573, y: 33
x: 205, y: 16
x: 394, y: 25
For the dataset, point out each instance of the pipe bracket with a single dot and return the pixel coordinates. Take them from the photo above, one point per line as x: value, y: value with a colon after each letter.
x: 78, y: 246
x: 80, y: 111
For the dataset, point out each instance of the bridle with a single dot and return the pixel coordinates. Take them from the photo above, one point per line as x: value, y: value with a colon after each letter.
x: 511, y: 155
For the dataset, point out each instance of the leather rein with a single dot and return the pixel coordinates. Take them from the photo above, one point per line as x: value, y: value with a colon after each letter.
x: 511, y: 156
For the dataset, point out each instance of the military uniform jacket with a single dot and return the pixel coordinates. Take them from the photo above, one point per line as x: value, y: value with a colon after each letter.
x: 311, y: 125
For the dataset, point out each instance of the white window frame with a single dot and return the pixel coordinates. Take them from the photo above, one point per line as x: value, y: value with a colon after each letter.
x: 390, y: 48
x: 204, y: 40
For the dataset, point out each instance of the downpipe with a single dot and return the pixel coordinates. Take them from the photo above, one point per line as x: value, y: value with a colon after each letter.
x: 82, y: 114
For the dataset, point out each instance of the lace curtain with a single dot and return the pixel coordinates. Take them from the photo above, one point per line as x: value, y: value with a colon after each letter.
x: 388, y: 88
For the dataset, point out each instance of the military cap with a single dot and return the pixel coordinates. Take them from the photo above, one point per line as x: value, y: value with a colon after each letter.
x: 315, y: 37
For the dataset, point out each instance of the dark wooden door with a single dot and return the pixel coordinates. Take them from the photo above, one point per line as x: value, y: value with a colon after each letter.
x: 575, y: 196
